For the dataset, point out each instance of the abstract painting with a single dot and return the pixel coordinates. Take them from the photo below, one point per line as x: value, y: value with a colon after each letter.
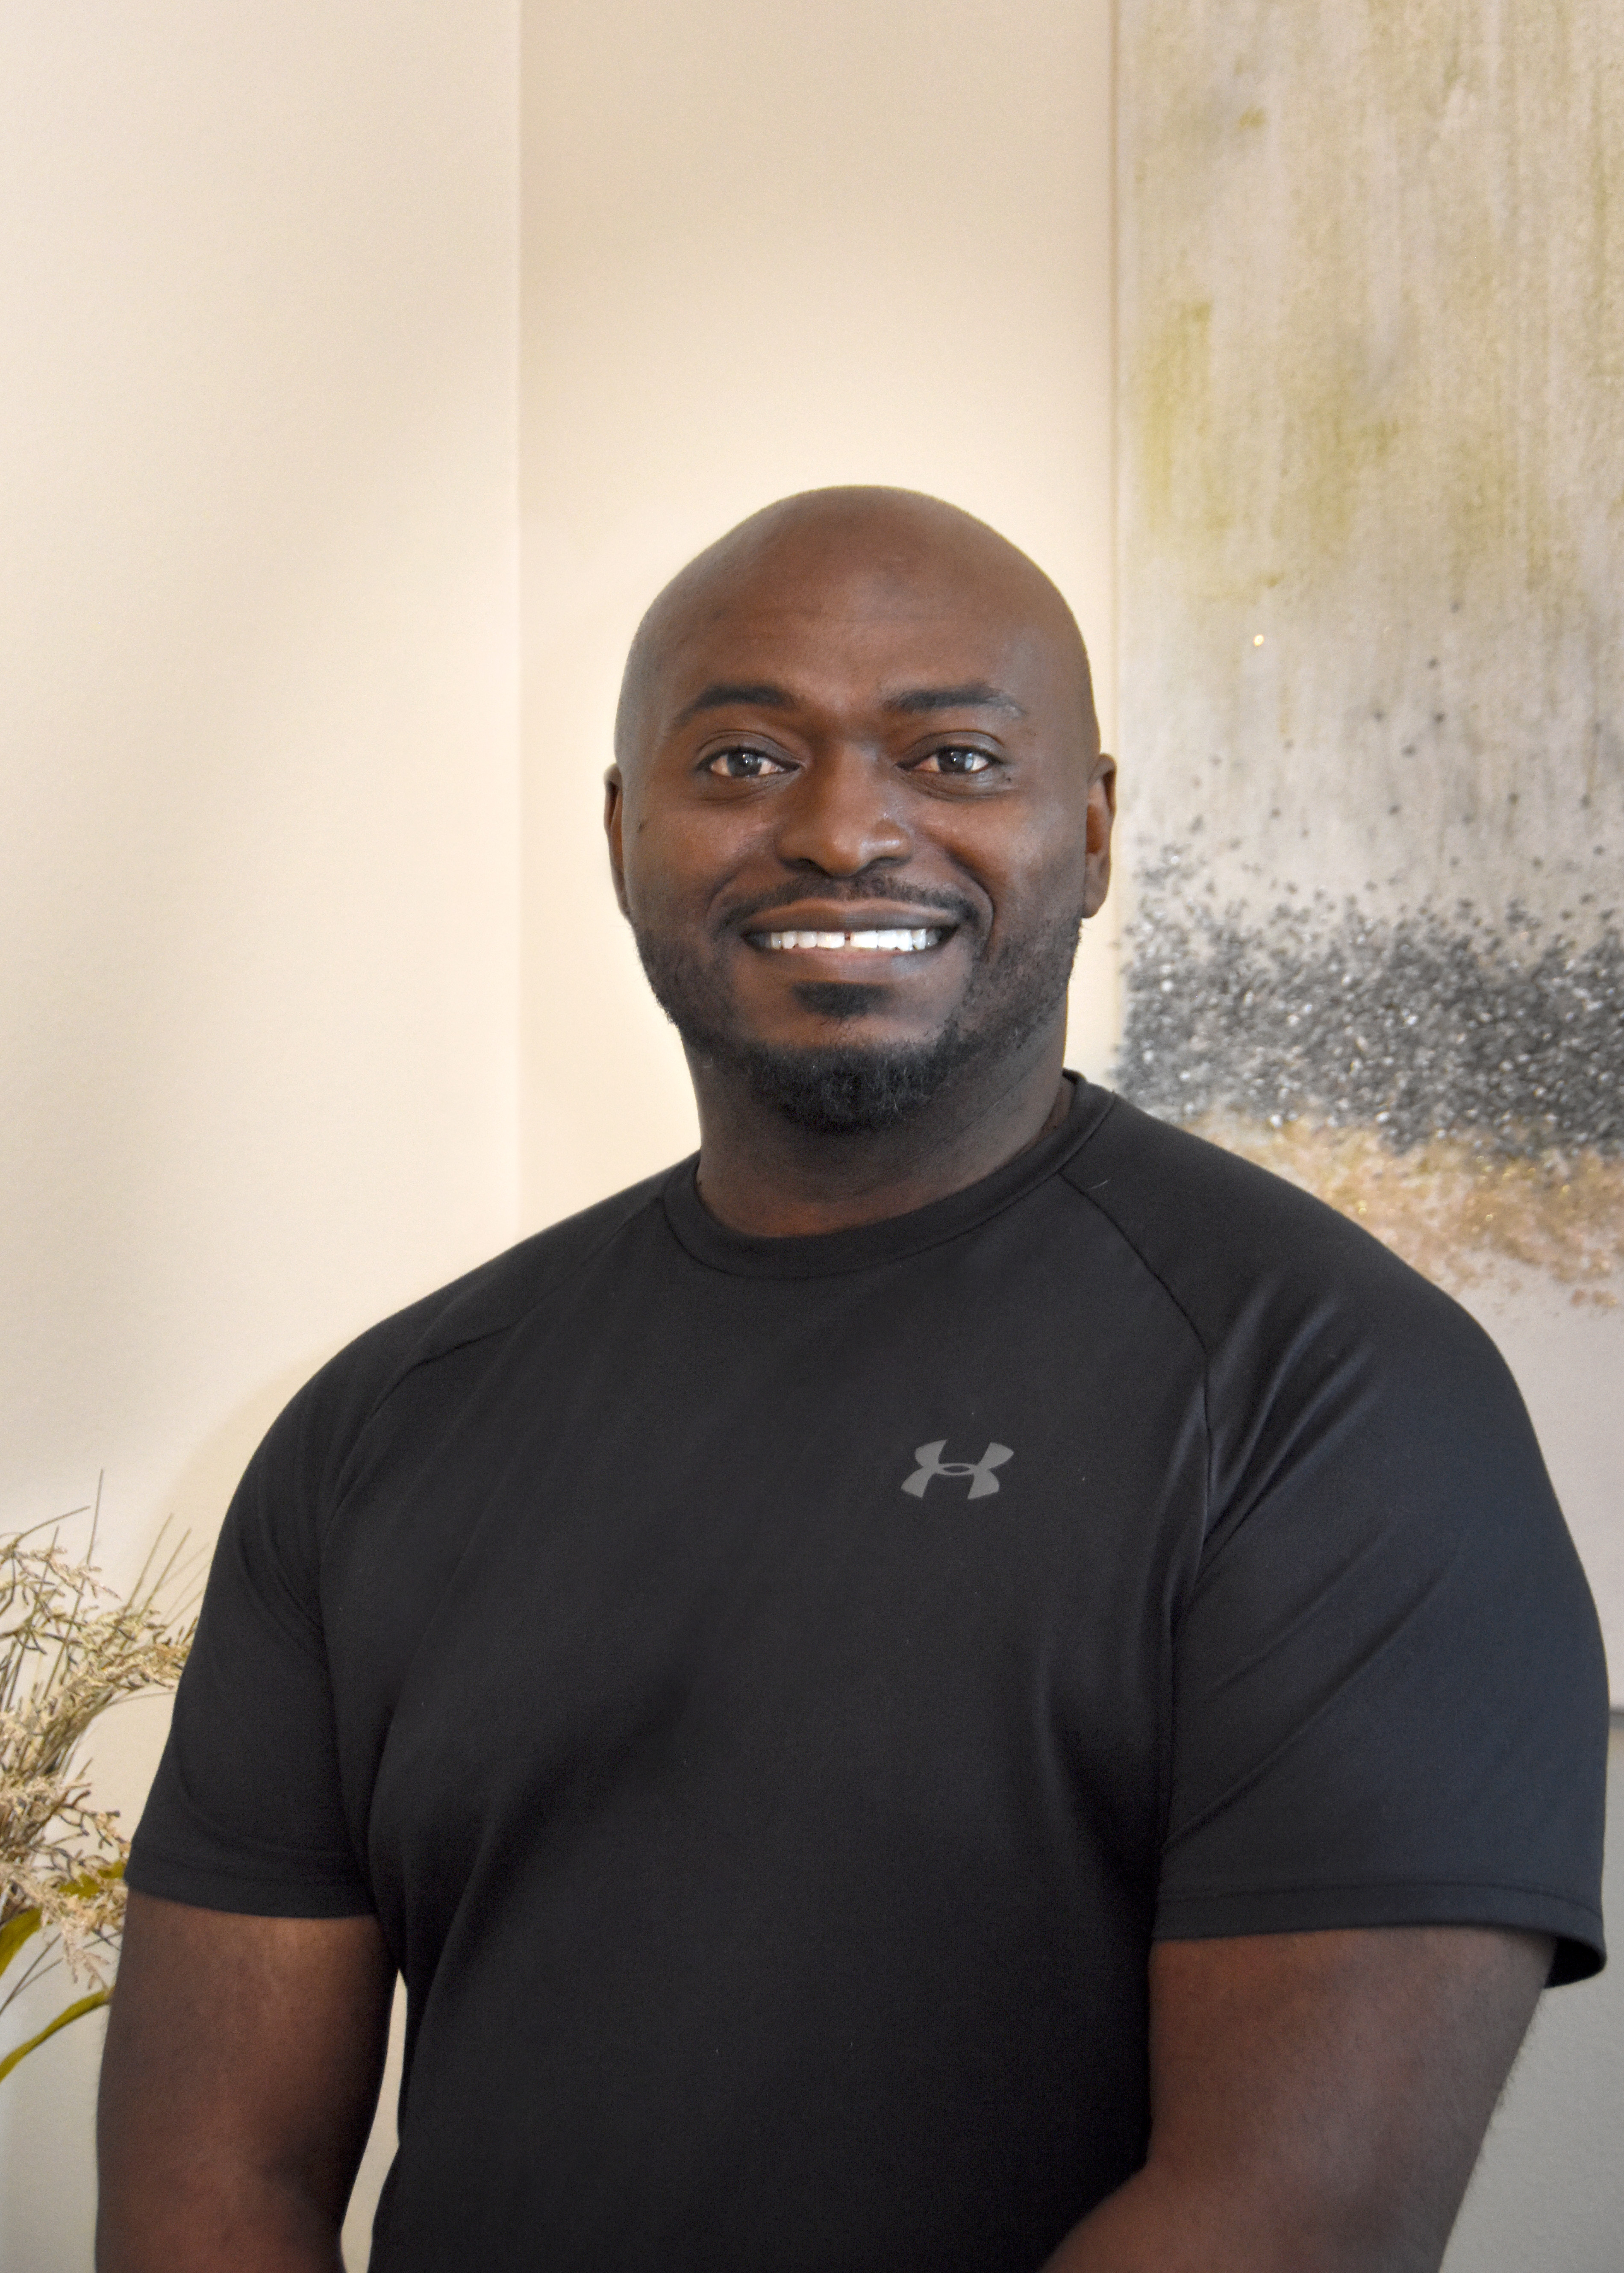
x: 1371, y: 372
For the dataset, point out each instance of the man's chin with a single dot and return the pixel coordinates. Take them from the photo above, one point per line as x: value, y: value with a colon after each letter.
x: 834, y: 1088
x: 847, y: 1090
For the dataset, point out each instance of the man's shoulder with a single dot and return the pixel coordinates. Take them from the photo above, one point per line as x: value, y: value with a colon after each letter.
x: 486, y: 1300
x: 1235, y: 1245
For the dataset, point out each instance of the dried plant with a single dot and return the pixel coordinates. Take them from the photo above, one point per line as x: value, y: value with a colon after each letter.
x: 68, y: 1649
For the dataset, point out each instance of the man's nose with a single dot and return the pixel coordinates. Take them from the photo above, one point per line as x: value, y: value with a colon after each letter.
x: 841, y: 815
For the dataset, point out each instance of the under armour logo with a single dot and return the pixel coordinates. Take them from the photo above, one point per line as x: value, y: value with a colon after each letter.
x: 931, y: 1464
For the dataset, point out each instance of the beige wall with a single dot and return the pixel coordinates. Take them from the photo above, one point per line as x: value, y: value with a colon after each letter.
x: 258, y: 680
x: 768, y: 248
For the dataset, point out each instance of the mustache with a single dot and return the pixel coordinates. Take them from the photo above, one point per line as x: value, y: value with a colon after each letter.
x: 853, y: 891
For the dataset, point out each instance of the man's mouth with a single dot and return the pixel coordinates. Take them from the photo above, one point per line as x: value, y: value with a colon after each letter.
x: 889, y: 941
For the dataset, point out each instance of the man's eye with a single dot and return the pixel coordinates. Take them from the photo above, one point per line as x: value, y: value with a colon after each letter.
x: 959, y: 759
x: 742, y: 765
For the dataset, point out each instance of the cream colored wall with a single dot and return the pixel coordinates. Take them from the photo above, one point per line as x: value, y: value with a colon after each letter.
x: 258, y: 678
x: 767, y: 247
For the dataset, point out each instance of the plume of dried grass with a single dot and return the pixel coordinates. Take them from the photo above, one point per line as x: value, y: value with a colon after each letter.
x: 68, y: 1649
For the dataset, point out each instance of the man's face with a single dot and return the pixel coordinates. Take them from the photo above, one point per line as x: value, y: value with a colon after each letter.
x: 864, y: 820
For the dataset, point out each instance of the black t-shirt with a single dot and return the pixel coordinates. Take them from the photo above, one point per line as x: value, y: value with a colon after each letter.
x: 773, y: 1691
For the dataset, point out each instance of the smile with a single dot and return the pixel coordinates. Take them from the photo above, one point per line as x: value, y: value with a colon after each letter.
x: 850, y: 942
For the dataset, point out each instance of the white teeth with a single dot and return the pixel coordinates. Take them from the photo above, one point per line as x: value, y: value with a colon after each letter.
x: 866, y: 943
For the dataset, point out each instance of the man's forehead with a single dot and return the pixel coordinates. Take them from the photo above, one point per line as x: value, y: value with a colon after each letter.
x: 901, y: 679
x: 854, y: 596
x: 940, y: 639
x: 927, y: 698
x: 861, y: 576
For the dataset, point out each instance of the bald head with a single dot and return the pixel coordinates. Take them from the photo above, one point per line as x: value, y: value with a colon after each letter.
x: 861, y: 696
x: 851, y: 552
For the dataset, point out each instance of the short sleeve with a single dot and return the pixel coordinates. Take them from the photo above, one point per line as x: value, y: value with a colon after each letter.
x: 246, y: 1812
x: 1390, y: 1702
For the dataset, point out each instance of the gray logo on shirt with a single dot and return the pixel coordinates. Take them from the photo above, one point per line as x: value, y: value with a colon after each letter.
x: 931, y: 1464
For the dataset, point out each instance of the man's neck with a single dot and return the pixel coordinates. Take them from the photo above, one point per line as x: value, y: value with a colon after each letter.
x: 762, y: 1173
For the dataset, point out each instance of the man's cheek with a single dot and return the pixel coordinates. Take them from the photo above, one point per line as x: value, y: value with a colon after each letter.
x: 662, y: 903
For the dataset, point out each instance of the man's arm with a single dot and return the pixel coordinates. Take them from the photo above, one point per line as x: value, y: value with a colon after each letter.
x: 242, y: 2068
x: 1318, y: 2100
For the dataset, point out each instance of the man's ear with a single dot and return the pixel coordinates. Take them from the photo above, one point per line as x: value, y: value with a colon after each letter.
x: 1102, y: 817
x: 614, y: 812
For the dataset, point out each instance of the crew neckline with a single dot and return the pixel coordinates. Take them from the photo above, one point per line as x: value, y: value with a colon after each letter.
x: 824, y: 1254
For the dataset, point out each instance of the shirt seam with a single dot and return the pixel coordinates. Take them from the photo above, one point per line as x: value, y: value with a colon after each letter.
x: 164, y: 1852
x: 1418, y: 1885
x: 1055, y: 1174
x: 415, y: 1364
x: 1084, y: 1193
x: 1165, y: 1747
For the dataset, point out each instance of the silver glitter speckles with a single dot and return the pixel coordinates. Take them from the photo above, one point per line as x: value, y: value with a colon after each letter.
x: 1429, y: 1027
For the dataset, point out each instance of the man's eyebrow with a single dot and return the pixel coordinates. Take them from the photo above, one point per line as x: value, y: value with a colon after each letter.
x: 975, y: 694
x: 722, y: 694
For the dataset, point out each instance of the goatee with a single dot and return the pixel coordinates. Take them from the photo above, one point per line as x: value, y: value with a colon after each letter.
x: 847, y: 1091
x: 844, y: 1089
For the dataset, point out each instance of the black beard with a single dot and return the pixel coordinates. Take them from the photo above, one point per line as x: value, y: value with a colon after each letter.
x: 850, y: 1091
x: 842, y: 1089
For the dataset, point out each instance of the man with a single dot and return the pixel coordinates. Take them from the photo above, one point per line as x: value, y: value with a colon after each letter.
x: 974, y: 1684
